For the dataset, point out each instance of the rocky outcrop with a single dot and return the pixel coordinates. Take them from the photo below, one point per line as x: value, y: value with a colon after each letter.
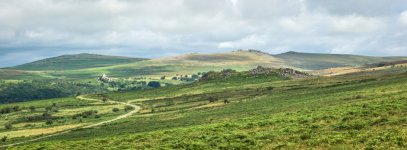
x: 287, y: 72
x: 261, y: 70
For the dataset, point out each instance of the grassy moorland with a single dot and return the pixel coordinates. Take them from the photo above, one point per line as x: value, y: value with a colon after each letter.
x: 89, y: 66
x: 315, y: 61
x: 70, y: 75
x: 365, y: 110
x: 78, y: 61
x: 36, y: 118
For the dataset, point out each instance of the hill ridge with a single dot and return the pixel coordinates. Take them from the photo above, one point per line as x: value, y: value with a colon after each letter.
x: 76, y: 61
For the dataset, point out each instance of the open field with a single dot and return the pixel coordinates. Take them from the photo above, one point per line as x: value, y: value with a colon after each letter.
x: 79, y: 61
x: 364, y: 110
x: 54, y: 115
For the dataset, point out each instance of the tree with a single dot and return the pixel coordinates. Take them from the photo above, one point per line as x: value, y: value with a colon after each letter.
x: 162, y: 78
x: 5, y: 110
x: 16, y: 108
x: 104, y: 99
x: 127, y: 108
x: 4, y: 138
x: 32, y: 108
x: 194, y: 76
x: 8, y: 126
x: 115, y: 109
x: 154, y: 84
x: 49, y: 122
x: 48, y: 108
x: 174, y: 78
x: 226, y: 101
x: 46, y: 115
x: 212, y: 99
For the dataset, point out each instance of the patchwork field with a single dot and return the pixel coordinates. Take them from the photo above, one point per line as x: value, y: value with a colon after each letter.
x: 40, y: 117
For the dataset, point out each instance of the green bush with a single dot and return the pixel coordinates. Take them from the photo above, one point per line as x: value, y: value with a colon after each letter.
x: 85, y: 114
x: 115, y: 109
x: 49, y: 122
x: 154, y: 84
x: 32, y: 108
x: 4, y: 138
x: 8, y: 126
x: 128, y: 108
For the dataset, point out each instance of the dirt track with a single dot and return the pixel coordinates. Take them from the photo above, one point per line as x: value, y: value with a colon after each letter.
x: 135, y: 110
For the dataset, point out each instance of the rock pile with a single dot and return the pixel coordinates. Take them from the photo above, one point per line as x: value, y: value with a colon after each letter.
x: 287, y: 72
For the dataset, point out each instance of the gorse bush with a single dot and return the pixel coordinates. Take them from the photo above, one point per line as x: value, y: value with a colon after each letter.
x: 85, y: 114
x: 8, y: 126
x: 154, y: 84
x: 115, y: 109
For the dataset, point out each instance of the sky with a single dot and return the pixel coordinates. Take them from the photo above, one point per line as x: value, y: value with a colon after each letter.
x: 37, y: 29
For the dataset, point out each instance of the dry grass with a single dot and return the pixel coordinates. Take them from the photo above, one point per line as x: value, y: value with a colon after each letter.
x: 346, y: 70
x: 101, y: 109
x: 210, y: 105
x: 223, y: 59
x: 31, y: 132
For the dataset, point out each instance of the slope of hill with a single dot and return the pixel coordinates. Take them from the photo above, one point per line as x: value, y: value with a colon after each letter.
x: 315, y: 61
x: 353, y: 111
x: 234, y: 59
x: 184, y: 64
x: 369, y: 67
x: 77, y: 61
x: 86, y: 66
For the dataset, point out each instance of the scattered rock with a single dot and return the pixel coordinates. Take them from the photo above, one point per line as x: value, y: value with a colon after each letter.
x: 104, y: 78
x: 287, y: 72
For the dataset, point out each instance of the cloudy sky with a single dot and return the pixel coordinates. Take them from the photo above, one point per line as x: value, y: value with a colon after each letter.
x: 35, y: 29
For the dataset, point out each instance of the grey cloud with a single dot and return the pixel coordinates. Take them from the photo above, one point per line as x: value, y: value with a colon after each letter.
x: 146, y: 28
x: 361, y: 7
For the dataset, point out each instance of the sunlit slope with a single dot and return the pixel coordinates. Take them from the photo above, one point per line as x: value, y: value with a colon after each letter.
x: 364, y: 110
x: 85, y: 66
x: 183, y: 65
x: 78, y: 61
x: 315, y: 61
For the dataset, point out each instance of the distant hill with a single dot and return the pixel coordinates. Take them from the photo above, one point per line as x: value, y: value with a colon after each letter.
x: 85, y: 66
x: 186, y: 64
x: 77, y: 61
x: 235, y: 58
x: 316, y: 61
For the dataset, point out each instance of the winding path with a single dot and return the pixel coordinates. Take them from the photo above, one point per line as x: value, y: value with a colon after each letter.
x: 136, y: 108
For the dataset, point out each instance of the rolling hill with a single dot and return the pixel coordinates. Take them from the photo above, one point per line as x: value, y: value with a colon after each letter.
x: 227, y: 110
x: 315, y: 61
x: 77, y: 61
x: 353, y: 111
x: 183, y: 64
x: 86, y: 66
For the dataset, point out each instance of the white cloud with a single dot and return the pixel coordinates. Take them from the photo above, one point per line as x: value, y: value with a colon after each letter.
x: 244, y: 43
x: 403, y: 18
x: 356, y: 24
x: 161, y: 27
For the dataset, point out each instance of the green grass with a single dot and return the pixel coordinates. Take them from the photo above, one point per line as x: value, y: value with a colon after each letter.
x: 61, y: 110
x: 78, y: 61
x: 89, y: 66
x: 314, y: 61
x: 355, y: 111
